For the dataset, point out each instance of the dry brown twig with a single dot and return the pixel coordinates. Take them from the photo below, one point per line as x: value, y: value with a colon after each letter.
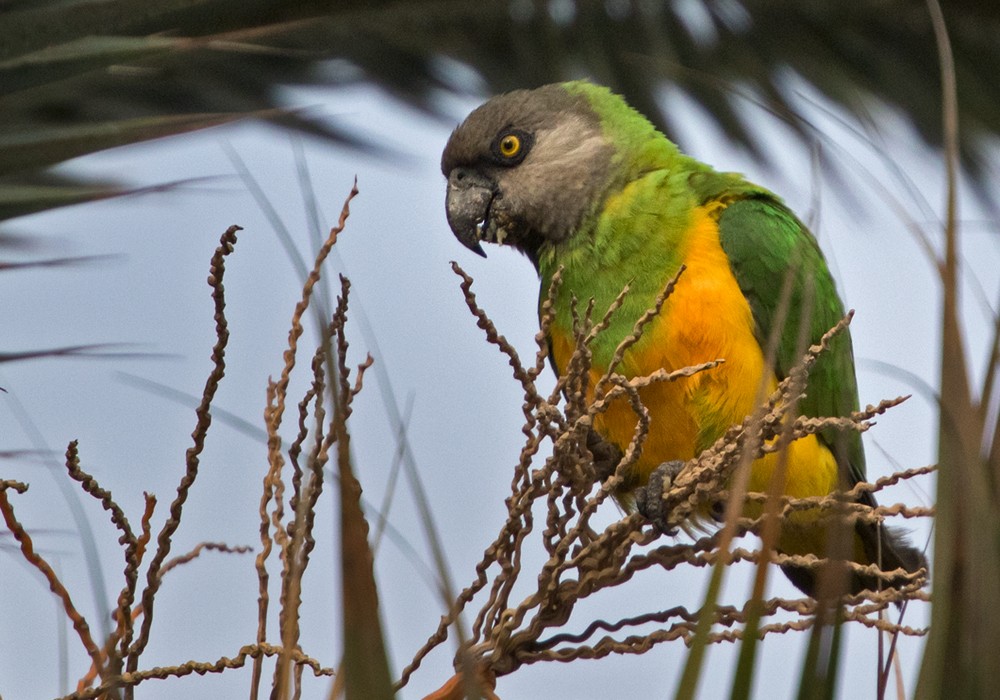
x: 204, y: 421
x: 581, y: 562
x: 293, y: 534
x: 254, y: 651
x: 115, y: 665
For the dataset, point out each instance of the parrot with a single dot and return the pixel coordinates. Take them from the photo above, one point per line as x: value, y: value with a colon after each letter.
x: 581, y: 183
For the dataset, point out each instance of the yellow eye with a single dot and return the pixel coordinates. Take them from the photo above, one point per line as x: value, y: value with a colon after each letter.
x: 510, y: 146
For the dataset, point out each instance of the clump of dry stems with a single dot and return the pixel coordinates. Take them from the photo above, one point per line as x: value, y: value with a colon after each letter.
x: 552, y: 505
x: 115, y: 662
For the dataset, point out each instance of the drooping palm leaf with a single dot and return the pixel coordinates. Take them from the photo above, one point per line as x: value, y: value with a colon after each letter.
x: 90, y: 67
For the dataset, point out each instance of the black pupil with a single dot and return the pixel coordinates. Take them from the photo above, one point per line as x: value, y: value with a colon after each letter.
x: 509, y: 144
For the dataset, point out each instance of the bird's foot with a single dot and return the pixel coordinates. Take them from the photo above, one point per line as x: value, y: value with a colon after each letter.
x: 606, y: 455
x: 649, y: 498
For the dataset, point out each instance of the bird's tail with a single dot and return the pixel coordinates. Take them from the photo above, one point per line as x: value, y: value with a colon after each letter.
x: 876, y: 543
x: 891, y: 550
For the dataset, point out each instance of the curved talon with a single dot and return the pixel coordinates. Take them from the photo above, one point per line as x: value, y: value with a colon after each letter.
x: 649, y: 498
x: 606, y: 455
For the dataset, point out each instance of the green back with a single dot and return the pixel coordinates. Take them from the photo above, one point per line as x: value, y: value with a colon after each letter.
x: 765, y: 243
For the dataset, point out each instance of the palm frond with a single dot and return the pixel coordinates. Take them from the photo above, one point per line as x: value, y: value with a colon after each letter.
x: 74, y: 72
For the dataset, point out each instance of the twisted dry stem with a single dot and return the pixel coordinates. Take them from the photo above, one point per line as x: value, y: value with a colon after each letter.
x: 251, y: 651
x: 204, y: 421
x: 294, y: 538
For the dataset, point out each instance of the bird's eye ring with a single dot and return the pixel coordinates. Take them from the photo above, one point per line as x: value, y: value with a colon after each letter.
x: 511, y: 146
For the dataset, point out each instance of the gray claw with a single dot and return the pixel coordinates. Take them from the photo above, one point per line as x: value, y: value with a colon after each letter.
x: 649, y: 498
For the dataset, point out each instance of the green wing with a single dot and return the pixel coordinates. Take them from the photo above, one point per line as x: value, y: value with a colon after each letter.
x: 765, y: 243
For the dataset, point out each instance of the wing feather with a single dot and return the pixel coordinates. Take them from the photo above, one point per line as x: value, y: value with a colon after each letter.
x: 768, y: 247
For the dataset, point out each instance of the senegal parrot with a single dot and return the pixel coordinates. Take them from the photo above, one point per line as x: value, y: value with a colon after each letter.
x: 578, y: 181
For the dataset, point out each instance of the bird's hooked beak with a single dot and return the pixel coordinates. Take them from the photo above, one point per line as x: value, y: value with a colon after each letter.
x: 470, y: 194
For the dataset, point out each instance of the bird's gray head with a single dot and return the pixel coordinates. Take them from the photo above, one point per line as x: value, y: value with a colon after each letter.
x: 526, y: 168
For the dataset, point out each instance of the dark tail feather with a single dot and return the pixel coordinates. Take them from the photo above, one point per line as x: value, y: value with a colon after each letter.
x: 885, y: 546
x: 890, y: 549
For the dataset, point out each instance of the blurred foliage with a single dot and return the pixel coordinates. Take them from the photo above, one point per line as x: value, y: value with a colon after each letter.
x: 83, y: 75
